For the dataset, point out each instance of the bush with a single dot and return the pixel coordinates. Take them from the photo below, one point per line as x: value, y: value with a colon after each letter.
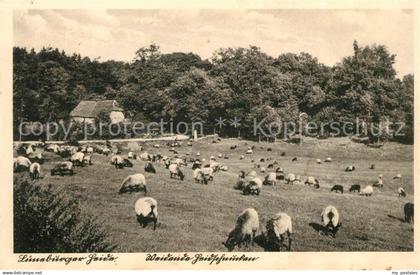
x: 49, y: 221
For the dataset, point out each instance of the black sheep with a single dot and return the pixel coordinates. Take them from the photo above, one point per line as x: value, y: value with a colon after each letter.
x: 355, y: 188
x: 337, y: 188
x: 150, y: 168
x: 409, y: 212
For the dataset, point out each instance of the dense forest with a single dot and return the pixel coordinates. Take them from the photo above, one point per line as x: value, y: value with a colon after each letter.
x: 244, y: 83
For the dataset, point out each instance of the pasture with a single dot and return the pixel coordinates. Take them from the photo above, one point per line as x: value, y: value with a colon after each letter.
x: 196, y: 217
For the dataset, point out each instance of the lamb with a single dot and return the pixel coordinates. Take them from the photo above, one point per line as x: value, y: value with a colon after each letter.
x: 133, y: 183
x: 175, y: 172
x: 350, y: 168
x: 401, y: 192
x: 337, y: 188
x: 367, y: 191
x: 278, y: 227
x: 149, y: 168
x: 78, y: 159
x: 312, y: 181
x: 146, y: 211
x: 253, y: 187
x: 62, y: 168
x: 270, y: 179
x: 355, y: 188
x: 224, y: 168
x: 21, y: 164
x: 34, y: 170
x: 409, y: 212
x: 331, y: 220
x: 245, y: 230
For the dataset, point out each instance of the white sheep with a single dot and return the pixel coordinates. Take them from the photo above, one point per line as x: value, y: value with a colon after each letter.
x: 245, y: 230
x: 120, y: 162
x: 146, y: 211
x: 262, y: 169
x: 380, y: 182
x: 292, y: 179
x: 52, y: 148
x: 249, y: 151
x: 198, y: 154
x: 213, y: 158
x: 145, y: 156
x: 367, y: 191
x: 397, y: 177
x: 175, y: 171
x: 22, y: 164
x: 220, y: 156
x: 241, y: 157
x: 312, y: 181
x: 277, y: 228
x: 156, y: 145
x: 87, y: 159
x: 252, y: 174
x: 208, y: 172
x: 401, y: 192
x: 78, y: 159
x: 331, y: 220
x: 34, y: 170
x: 133, y: 183
x: 318, y: 161
x: 224, y: 168
x: 130, y: 155
x: 270, y: 179
x: 89, y: 149
x: 328, y: 160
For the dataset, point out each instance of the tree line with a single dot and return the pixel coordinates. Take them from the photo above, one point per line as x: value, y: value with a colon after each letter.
x: 242, y: 83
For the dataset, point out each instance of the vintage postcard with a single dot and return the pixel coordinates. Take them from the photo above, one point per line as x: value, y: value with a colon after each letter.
x: 209, y: 135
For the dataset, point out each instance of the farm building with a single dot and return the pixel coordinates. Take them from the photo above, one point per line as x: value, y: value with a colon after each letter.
x: 89, y: 110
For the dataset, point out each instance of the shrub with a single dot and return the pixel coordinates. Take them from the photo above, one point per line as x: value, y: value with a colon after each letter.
x: 49, y: 221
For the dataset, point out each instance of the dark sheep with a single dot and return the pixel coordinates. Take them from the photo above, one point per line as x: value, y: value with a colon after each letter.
x: 150, y: 168
x: 269, y: 149
x: 233, y: 147
x: 262, y: 160
x: 355, y: 188
x: 270, y: 166
x: 283, y: 154
x: 337, y: 188
x: 372, y: 166
x: 350, y: 168
x: 409, y: 212
x: 294, y: 159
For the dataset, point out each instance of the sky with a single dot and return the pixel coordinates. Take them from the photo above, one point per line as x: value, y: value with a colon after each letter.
x: 117, y: 34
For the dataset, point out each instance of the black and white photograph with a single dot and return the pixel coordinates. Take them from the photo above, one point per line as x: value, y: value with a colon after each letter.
x: 224, y: 131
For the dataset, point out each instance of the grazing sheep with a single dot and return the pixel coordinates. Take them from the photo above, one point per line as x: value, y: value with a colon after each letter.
x: 337, y: 188
x: 270, y: 166
x: 262, y: 169
x: 89, y: 149
x: 372, y: 166
x: 244, y: 232
x: 120, y: 162
x: 145, y: 156
x: 409, y: 212
x: 401, y: 192
x: 240, y: 183
x: 62, y: 168
x: 331, y: 220
x: 133, y: 183
x: 249, y: 151
x: 149, y: 168
x: 224, y: 168
x: 269, y: 149
x: 21, y: 164
x: 241, y: 157
x: 233, y: 147
x: 318, y: 161
x: 131, y: 155
x: 156, y: 145
x: 146, y: 211
x: 175, y: 172
x: 291, y: 179
x: 279, y: 174
x: 380, y: 182
x: 262, y: 160
x: 397, y: 177
x: 294, y: 159
x: 87, y: 159
x: 52, y: 148
x: 270, y: 179
x: 196, y: 164
x: 355, y: 188
x: 367, y: 191
x: 78, y: 159
x: 312, y: 181
x: 278, y: 227
x: 34, y: 170
x: 213, y: 158
x: 350, y: 168
x: 208, y: 172
x: 200, y: 177
x: 220, y: 156
x: 328, y: 160
x: 253, y: 187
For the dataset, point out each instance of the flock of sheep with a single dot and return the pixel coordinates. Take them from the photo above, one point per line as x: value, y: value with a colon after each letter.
x: 278, y: 229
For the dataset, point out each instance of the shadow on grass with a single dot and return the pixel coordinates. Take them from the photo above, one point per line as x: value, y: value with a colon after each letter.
x: 262, y: 242
x: 317, y: 227
x: 400, y: 219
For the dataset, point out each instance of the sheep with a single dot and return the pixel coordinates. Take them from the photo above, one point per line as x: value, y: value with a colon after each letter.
x: 220, y: 156
x: 401, y: 192
x: 409, y: 212
x: 62, y: 168
x: 36, y: 157
x: 241, y: 157
x: 131, y: 155
x: 78, y: 159
x: 149, y: 168
x: 269, y: 149
x: 133, y: 183
x: 277, y: 228
x: 208, y: 172
x: 270, y: 179
x: 355, y: 188
x: 350, y: 168
x: 262, y: 169
x: 146, y: 211
x: 145, y: 156
x: 249, y: 151
x: 331, y: 220
x: 270, y: 166
x: 372, y: 167
x: 52, y: 148
x: 175, y: 171
x: 337, y: 188
x: 252, y: 174
x: 318, y: 161
x: 283, y: 154
x: 89, y: 149
x: 233, y: 147
x: 156, y: 145
x: 367, y: 191
x: 200, y: 177
x: 87, y: 159
x: 245, y: 230
x: 397, y: 177
x: 240, y: 183
x: 279, y: 174
x: 328, y: 160
x: 196, y: 164
x: 262, y: 160
x: 198, y: 154
x: 380, y: 182
x: 120, y: 162
x: 312, y: 181
x: 294, y: 159
x: 253, y: 187
x: 213, y: 158
x: 34, y: 170
x: 224, y: 168
x: 21, y: 164
x: 291, y: 178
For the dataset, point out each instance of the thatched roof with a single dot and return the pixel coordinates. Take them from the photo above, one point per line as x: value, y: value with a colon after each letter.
x: 92, y: 109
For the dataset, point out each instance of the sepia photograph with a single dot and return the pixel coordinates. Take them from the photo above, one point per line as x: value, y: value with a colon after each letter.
x: 163, y: 131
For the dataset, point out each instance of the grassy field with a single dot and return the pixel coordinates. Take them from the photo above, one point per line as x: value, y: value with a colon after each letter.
x: 196, y: 217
